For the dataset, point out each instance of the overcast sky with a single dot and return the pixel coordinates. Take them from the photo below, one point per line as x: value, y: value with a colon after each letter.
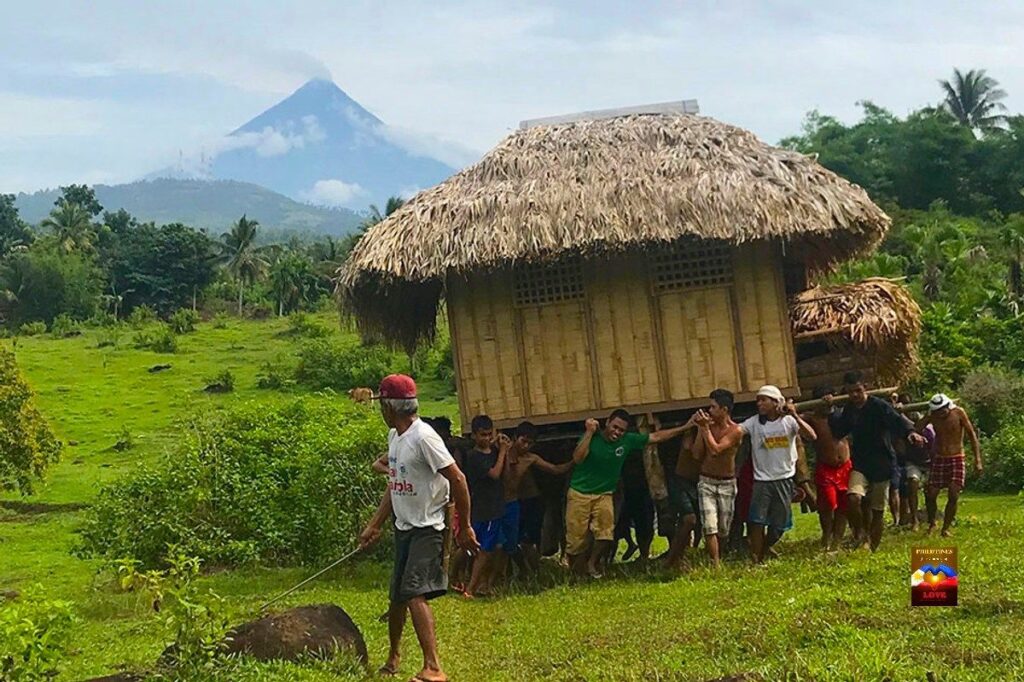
x: 107, y: 91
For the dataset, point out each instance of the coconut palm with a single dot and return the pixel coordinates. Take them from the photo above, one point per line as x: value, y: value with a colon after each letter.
x: 375, y: 216
x: 241, y: 256
x: 72, y: 226
x: 289, y: 279
x: 974, y: 98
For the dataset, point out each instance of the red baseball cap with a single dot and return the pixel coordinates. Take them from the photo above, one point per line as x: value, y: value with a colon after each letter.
x: 397, y: 386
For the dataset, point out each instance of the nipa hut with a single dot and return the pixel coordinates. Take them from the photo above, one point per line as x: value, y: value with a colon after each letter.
x: 633, y: 261
x: 872, y: 326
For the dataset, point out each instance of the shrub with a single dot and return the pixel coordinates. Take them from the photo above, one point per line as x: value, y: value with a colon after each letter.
x: 301, y: 324
x: 32, y: 328
x: 261, y: 310
x: 285, y: 484
x: 141, y: 316
x: 220, y: 321
x: 27, y: 445
x: 183, y: 321
x: 274, y: 375
x: 109, y: 336
x: 160, y: 340
x: 34, y: 632
x: 125, y: 440
x: 63, y: 326
x: 992, y: 396
x: 103, y: 321
x: 1003, y: 454
x: 328, y: 363
x: 224, y: 382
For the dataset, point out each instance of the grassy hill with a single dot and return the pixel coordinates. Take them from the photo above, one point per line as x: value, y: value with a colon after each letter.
x: 211, y: 204
x: 807, y: 615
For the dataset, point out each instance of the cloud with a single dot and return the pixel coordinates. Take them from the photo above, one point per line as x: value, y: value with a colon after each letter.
x: 333, y: 193
x: 419, y: 143
x: 30, y: 116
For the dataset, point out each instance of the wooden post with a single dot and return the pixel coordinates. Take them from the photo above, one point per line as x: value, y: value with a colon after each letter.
x: 840, y: 399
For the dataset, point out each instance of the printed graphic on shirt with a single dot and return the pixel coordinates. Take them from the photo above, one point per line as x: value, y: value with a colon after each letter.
x: 398, y: 482
x: 776, y: 442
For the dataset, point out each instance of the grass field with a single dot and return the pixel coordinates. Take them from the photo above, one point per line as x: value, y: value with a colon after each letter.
x: 806, y: 616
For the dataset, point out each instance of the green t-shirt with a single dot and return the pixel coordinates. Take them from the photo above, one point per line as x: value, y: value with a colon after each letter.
x: 599, y: 472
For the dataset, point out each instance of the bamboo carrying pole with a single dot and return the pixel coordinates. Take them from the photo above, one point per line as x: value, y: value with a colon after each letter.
x: 840, y: 399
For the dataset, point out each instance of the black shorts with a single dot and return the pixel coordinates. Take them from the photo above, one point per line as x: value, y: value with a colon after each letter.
x: 638, y: 512
x: 419, y: 571
x: 531, y: 520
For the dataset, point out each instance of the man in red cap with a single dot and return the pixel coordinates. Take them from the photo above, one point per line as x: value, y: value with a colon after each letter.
x: 421, y: 476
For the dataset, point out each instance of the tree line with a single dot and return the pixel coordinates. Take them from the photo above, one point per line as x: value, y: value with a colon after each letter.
x: 83, y: 261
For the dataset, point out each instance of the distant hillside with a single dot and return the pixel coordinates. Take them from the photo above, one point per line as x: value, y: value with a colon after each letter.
x: 211, y: 204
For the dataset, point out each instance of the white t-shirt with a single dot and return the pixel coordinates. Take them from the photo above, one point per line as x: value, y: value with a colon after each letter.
x: 773, y: 447
x: 418, y: 493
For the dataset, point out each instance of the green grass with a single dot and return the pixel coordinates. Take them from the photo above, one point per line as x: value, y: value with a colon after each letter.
x: 807, y: 615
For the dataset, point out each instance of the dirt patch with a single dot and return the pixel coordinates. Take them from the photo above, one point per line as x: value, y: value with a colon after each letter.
x: 158, y: 368
x: 119, y: 677
x: 320, y: 630
x: 738, y: 677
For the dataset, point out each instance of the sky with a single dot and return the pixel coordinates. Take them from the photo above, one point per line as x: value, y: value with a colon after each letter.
x: 108, y: 91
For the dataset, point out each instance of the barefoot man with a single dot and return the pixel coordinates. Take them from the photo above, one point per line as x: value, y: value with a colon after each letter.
x: 717, y: 484
x: 421, y: 475
x: 947, y: 469
x: 831, y: 474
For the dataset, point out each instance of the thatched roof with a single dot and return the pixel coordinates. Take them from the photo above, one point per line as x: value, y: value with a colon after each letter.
x: 604, y: 185
x: 878, y: 317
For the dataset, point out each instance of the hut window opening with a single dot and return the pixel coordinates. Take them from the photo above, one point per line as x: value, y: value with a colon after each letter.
x: 544, y: 283
x: 692, y: 264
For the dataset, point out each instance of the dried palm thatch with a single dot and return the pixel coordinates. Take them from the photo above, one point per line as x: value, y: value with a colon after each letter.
x: 878, y: 317
x: 602, y: 186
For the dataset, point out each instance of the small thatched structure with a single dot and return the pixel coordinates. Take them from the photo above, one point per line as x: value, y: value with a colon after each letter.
x: 876, y: 322
x: 597, y: 186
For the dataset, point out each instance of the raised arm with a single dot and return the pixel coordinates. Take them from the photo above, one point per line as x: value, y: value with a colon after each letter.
x: 499, y: 464
x: 460, y: 493
x: 715, y: 447
x: 583, y: 447
x: 973, y: 435
x: 839, y: 422
x: 547, y: 467
x: 669, y: 434
x: 806, y: 430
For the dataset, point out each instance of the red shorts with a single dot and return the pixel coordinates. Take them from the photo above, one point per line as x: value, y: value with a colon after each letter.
x: 832, y: 484
x: 947, y: 471
x: 744, y: 490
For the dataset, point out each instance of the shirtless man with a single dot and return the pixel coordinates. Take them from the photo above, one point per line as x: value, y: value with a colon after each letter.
x: 520, y: 487
x: 716, y: 487
x: 947, y: 468
x: 831, y: 474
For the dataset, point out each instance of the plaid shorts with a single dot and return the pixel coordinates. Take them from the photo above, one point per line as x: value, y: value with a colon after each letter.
x: 946, y: 471
x: 717, y: 502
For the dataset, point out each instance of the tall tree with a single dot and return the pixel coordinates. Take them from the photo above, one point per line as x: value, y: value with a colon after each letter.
x: 72, y: 226
x: 290, y: 277
x: 241, y: 255
x: 375, y: 216
x: 975, y: 99
x: 83, y: 195
x: 14, y: 232
x: 1013, y: 238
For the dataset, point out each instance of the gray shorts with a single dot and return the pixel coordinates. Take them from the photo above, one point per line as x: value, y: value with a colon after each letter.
x: 419, y: 571
x: 771, y: 504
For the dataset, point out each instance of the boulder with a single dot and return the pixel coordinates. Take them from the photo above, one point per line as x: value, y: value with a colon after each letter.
x: 320, y: 630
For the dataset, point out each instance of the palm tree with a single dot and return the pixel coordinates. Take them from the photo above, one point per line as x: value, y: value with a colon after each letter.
x: 72, y: 225
x: 392, y: 205
x: 974, y: 98
x: 241, y: 256
x: 289, y: 276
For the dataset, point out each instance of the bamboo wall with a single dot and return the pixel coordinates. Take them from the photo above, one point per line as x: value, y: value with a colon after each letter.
x: 622, y: 344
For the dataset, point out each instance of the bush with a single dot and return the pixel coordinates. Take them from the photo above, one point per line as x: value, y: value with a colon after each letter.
x: 261, y: 310
x: 27, y: 445
x: 328, y: 363
x: 141, y: 316
x: 63, y: 326
x: 34, y: 632
x: 301, y: 324
x: 220, y: 321
x: 109, y: 336
x: 992, y: 396
x: 224, y: 382
x: 1003, y: 455
x: 288, y: 484
x: 274, y: 375
x: 32, y: 328
x: 160, y: 340
x: 103, y: 321
x: 183, y: 321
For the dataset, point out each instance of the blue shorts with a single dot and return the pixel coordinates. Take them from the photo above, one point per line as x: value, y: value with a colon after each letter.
x: 502, y: 532
x: 771, y: 504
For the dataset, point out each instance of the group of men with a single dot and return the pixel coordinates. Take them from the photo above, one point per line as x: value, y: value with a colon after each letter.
x: 862, y: 449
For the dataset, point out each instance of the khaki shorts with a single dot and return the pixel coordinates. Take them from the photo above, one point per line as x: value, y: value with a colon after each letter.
x: 584, y: 512
x: 876, y: 492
